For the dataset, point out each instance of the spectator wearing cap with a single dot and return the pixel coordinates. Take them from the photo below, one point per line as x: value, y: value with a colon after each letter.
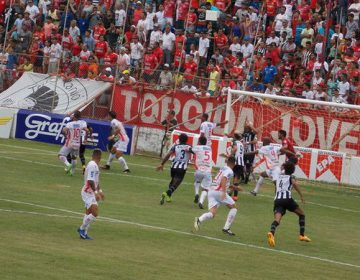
x: 165, y: 78
x: 168, y: 42
x: 106, y: 75
x: 126, y: 79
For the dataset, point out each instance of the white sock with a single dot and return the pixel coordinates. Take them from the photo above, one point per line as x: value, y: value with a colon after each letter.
x: 73, y: 164
x: 206, y: 216
x: 123, y: 163
x: 259, y: 184
x: 86, y: 221
x: 197, y: 187
x: 64, y: 160
x: 110, y: 159
x: 253, y: 176
x: 86, y: 228
x: 230, y: 218
x: 202, y: 197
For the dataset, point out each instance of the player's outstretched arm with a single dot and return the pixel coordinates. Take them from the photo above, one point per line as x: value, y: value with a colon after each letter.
x: 287, y: 152
x: 298, y: 190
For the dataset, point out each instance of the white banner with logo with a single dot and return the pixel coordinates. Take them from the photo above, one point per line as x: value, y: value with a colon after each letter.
x: 44, y: 93
x: 6, y: 120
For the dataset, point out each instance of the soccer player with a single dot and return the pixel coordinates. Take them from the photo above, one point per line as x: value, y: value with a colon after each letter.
x: 121, y: 142
x: 84, y: 137
x: 271, y: 155
x: 72, y: 132
x: 288, y: 147
x: 179, y: 165
x: 283, y: 201
x: 206, y: 127
x: 249, y: 140
x: 238, y: 152
x: 203, y: 165
x: 91, y: 193
x: 218, y: 195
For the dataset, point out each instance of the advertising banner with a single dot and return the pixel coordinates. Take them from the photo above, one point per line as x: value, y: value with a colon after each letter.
x: 46, y: 127
x: 6, y: 121
x: 44, y: 93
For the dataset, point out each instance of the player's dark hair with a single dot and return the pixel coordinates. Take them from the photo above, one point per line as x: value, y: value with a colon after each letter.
x: 183, y: 138
x: 231, y: 159
x: 112, y: 114
x: 282, y: 132
x: 237, y: 136
x: 205, y: 116
x: 202, y: 140
x: 266, y: 141
x: 77, y: 115
x: 96, y: 153
x: 289, y: 168
x: 172, y: 112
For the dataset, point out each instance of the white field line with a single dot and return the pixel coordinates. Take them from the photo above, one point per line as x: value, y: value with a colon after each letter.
x: 166, y: 181
x: 107, y: 219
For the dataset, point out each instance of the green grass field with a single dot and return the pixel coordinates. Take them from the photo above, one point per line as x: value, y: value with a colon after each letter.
x: 136, y: 238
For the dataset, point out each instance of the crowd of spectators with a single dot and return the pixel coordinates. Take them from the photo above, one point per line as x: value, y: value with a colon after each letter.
x: 302, y: 48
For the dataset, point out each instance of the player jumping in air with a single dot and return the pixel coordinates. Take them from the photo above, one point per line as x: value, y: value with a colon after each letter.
x: 121, y: 140
x: 283, y: 201
x: 72, y: 132
x: 271, y: 155
x: 179, y: 165
x: 218, y: 195
x: 249, y: 141
x: 91, y: 193
x: 288, y: 146
x: 206, y: 128
x: 203, y: 165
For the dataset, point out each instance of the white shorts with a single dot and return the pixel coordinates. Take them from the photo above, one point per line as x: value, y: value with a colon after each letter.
x: 204, y: 178
x: 214, y: 199
x: 89, y: 199
x: 273, y: 173
x: 121, y: 146
x: 65, y: 151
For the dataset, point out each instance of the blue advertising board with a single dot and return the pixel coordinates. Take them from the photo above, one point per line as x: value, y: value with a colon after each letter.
x: 47, y: 127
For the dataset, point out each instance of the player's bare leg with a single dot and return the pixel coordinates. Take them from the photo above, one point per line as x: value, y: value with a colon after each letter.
x: 73, y: 165
x: 65, y: 161
x: 122, y: 161
x: 302, y: 237
x: 259, y: 183
x: 274, y: 225
x: 90, y: 216
x: 197, y: 189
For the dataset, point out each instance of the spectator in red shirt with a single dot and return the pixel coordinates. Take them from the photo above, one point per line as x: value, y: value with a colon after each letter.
x: 182, y: 11
x: 99, y: 29
x: 150, y: 66
x: 169, y: 9
x: 221, y: 41
x: 110, y: 58
x: 101, y: 49
x: 67, y: 42
x: 191, y: 20
x: 190, y: 68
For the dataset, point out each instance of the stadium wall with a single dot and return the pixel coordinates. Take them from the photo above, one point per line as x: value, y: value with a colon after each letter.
x: 314, y: 164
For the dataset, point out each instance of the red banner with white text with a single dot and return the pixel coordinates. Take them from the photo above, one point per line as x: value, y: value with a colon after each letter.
x: 309, y: 127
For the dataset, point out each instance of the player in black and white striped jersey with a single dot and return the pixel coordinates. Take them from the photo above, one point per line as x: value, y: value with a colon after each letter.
x: 179, y: 165
x: 283, y: 201
x: 238, y: 152
x: 249, y: 140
